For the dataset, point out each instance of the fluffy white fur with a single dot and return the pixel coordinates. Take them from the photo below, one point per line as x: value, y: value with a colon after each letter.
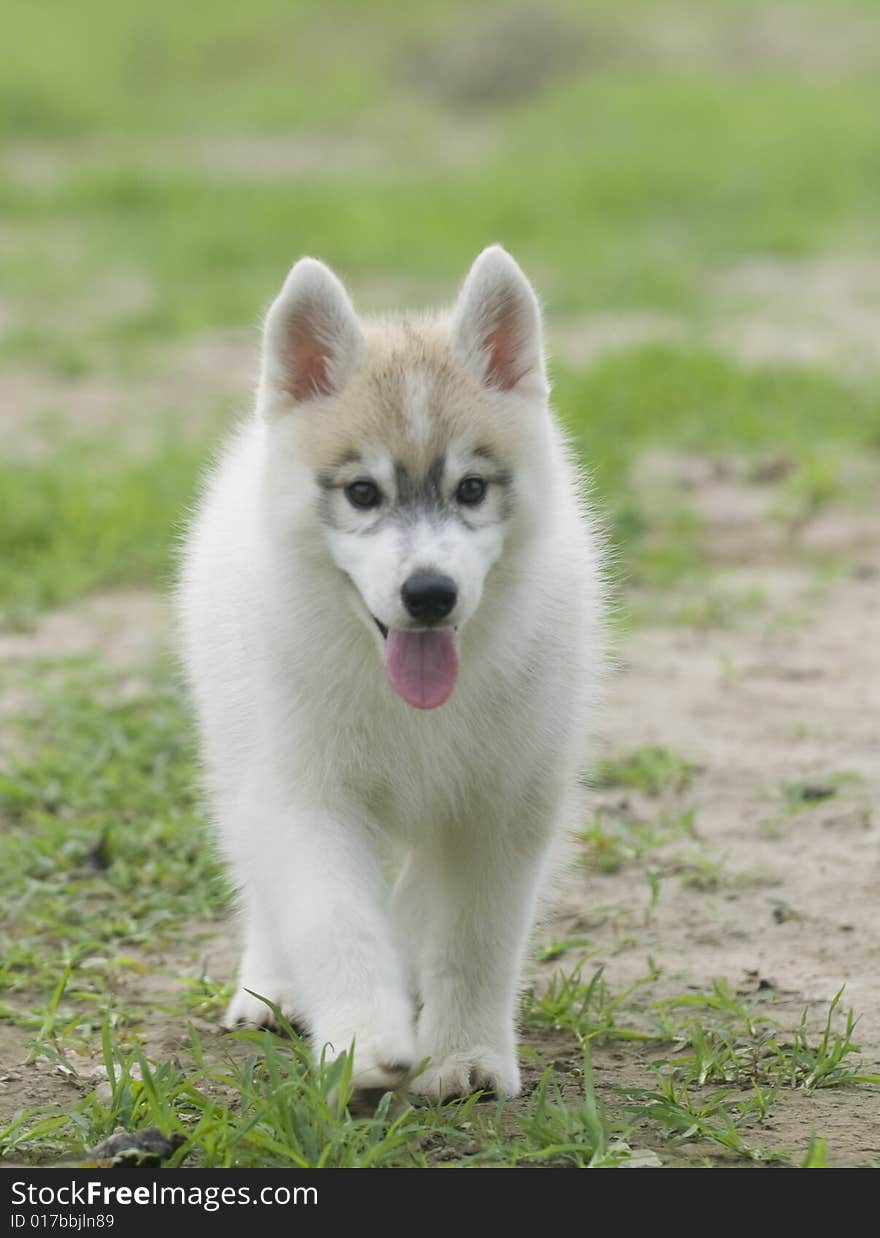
x: 390, y: 860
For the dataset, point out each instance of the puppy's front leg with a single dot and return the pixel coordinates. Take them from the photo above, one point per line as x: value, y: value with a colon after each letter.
x: 319, y: 880
x: 467, y: 906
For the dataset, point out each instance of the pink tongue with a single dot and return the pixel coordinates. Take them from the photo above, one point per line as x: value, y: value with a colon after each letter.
x: 422, y: 666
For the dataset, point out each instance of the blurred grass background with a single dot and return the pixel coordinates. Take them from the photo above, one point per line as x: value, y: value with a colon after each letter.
x: 651, y: 165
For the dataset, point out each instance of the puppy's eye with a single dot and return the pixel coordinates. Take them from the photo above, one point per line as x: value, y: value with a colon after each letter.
x: 363, y: 494
x: 471, y: 491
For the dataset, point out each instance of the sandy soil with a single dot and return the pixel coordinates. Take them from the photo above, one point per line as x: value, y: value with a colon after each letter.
x: 817, y: 311
x: 39, y: 408
x: 761, y: 705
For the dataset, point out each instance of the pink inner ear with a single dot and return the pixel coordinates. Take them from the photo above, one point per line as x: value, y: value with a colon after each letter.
x: 306, y: 363
x: 501, y: 347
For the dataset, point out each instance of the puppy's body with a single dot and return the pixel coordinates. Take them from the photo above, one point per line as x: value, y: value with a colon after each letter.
x: 390, y: 616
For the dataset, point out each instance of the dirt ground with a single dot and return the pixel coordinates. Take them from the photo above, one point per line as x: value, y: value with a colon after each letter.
x: 790, y: 696
x: 786, y: 908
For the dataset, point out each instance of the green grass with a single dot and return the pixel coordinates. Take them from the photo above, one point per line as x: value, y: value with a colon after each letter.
x: 714, y: 1118
x: 699, y: 400
x: 817, y: 1154
x: 566, y: 1131
x: 625, y: 183
x: 612, y: 840
x: 264, y: 1103
x: 85, y: 519
x: 798, y: 798
x: 150, y: 71
x: 650, y: 769
x: 102, y: 846
x: 265, y: 1106
x: 727, y: 1041
x: 723, y: 1039
x: 587, y: 1008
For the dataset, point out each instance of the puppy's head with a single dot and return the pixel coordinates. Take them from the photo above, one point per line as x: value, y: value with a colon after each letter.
x: 413, y: 447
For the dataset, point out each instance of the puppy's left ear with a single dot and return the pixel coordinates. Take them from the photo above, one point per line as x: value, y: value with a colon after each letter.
x: 496, y: 325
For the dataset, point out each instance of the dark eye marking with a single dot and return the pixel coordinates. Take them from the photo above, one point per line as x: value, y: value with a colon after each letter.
x: 471, y: 491
x: 363, y: 494
x: 420, y: 493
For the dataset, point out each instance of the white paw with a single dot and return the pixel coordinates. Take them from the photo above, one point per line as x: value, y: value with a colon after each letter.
x: 478, y: 1069
x: 381, y: 1063
x: 247, y: 1011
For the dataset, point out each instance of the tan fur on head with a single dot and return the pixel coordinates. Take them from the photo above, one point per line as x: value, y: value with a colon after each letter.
x: 412, y: 394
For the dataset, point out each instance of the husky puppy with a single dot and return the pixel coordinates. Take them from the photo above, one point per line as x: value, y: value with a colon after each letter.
x: 390, y: 614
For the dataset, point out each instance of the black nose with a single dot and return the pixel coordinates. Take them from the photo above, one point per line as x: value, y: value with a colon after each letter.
x: 429, y: 598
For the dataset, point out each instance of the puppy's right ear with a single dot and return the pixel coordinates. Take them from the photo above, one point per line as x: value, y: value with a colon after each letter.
x: 312, y: 340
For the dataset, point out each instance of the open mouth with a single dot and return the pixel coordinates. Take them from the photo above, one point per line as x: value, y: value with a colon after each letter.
x: 422, y: 667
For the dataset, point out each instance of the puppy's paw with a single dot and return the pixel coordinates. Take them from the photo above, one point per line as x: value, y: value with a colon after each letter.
x: 382, y: 1063
x: 478, y: 1069
x: 247, y: 1011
